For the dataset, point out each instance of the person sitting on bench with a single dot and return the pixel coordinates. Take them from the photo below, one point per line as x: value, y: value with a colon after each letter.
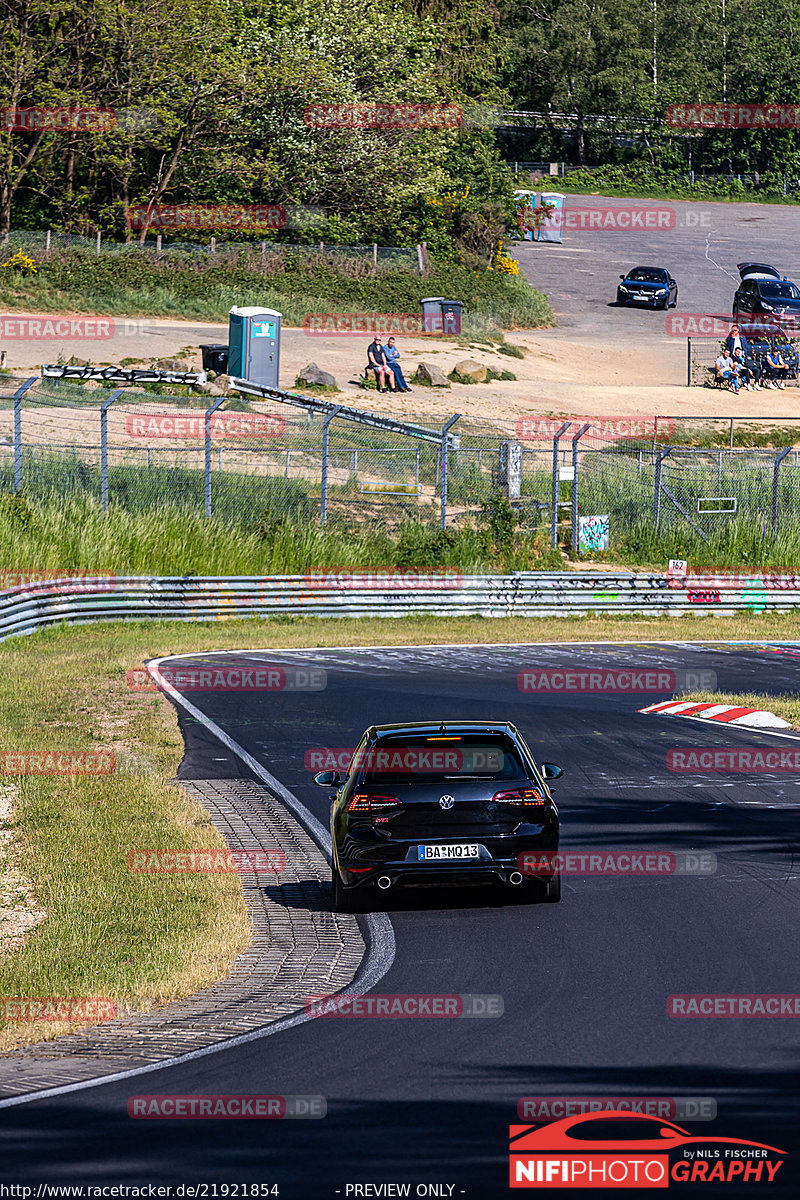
x: 376, y: 361
x: 392, y: 355
x: 775, y: 368
x: 727, y: 369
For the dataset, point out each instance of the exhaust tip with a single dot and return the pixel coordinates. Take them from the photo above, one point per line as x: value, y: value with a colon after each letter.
x: 385, y: 882
x: 515, y: 878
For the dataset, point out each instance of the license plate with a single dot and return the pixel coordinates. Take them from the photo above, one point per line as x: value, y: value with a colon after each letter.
x: 642, y: 296
x: 440, y: 853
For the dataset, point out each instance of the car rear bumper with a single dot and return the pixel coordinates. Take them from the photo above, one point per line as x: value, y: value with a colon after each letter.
x: 499, y: 861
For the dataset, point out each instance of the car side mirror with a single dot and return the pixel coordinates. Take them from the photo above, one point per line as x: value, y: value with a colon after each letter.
x: 552, y: 771
x: 622, y: 276
x: 327, y: 779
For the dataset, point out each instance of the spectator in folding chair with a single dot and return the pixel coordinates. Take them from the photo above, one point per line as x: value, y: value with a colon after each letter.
x: 748, y: 371
x: 727, y: 369
x: 775, y: 369
x: 376, y: 361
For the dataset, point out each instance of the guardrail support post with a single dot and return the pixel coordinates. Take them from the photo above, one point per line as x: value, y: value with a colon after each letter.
x: 657, y: 486
x: 18, y: 394
x: 443, y: 488
x: 775, y: 474
x: 207, y: 425
x: 556, y: 490
x: 575, y: 441
x: 323, y: 500
x: 104, y: 407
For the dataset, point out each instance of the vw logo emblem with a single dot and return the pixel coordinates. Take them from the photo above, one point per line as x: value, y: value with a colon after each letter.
x: 447, y: 802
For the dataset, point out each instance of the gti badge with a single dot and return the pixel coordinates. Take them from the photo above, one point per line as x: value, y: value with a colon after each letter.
x: 447, y: 802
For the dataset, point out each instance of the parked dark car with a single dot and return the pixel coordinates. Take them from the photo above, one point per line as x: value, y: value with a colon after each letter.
x: 652, y: 286
x: 764, y: 293
x: 448, y: 805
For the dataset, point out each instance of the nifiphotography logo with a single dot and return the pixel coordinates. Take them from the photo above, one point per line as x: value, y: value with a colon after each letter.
x: 625, y: 1149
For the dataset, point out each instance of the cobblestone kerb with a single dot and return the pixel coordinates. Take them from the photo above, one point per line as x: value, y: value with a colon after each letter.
x: 299, y: 947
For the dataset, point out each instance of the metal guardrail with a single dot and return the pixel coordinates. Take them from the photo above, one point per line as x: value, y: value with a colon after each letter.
x: 37, y: 604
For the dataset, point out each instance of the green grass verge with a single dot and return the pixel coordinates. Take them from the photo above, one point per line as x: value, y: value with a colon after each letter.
x: 147, y: 939
x: 200, y: 289
x: 139, y: 940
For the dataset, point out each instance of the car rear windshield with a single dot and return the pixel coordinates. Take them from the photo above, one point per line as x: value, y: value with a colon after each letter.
x: 779, y: 291
x: 648, y: 276
x: 434, y: 759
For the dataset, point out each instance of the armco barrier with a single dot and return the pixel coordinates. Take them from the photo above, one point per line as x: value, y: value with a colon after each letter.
x: 28, y: 607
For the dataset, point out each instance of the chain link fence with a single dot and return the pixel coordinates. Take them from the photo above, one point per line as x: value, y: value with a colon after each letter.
x: 259, y: 462
x: 42, y: 242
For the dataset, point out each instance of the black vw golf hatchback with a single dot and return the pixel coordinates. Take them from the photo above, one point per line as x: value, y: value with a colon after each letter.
x: 445, y: 804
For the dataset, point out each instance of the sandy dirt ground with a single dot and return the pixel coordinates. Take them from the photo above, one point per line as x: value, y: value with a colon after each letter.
x: 599, y: 361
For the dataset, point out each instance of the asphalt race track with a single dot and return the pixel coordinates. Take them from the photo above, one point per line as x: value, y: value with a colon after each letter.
x: 584, y: 982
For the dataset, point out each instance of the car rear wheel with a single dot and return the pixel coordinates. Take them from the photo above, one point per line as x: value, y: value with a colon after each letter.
x: 347, y: 899
x: 539, y: 891
x: 552, y: 890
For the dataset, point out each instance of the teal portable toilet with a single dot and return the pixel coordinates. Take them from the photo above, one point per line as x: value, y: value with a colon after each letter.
x: 254, y: 345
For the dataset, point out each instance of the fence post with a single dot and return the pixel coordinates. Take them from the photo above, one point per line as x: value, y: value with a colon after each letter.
x: 207, y: 424
x: 688, y: 362
x: 443, y: 489
x: 374, y: 254
x: 104, y: 407
x: 416, y: 477
x: 18, y: 394
x: 775, y: 473
x: 47, y: 243
x: 323, y: 500
x: 97, y: 253
x: 419, y: 260
x: 213, y: 245
x: 657, y: 486
x: 556, y: 490
x: 575, y: 441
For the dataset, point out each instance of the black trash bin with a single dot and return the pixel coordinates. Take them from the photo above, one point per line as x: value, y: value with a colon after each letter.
x: 451, y: 316
x: 440, y: 315
x: 215, y: 358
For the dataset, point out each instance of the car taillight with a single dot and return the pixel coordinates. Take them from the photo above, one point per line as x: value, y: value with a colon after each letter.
x: 363, y: 802
x: 525, y: 797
